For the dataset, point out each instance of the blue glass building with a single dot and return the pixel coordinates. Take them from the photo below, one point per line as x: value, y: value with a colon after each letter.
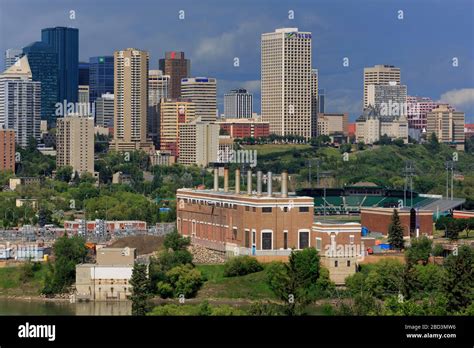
x: 65, y: 42
x: 101, y: 76
x: 83, y: 74
x: 43, y: 62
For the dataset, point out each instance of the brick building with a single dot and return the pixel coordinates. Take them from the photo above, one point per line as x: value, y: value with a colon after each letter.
x: 7, y: 150
x: 379, y: 220
x: 244, y: 127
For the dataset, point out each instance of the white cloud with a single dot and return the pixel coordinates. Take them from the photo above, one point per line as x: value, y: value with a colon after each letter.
x: 459, y: 98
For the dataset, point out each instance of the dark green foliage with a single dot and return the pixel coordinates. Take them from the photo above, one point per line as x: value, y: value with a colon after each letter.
x: 64, y: 173
x: 140, y: 290
x: 185, y: 280
x: 419, y: 250
x: 261, y: 308
x: 459, y: 280
x: 175, y: 241
x: 395, y: 232
x: 241, y: 265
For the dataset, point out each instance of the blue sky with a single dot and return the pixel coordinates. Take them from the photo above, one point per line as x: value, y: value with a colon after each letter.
x: 368, y: 32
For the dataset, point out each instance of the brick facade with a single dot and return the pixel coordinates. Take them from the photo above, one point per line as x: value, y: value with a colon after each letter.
x: 379, y: 219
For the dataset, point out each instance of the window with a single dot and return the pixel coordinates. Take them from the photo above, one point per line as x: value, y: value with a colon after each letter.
x: 318, y: 243
x: 351, y: 239
x: 254, y: 209
x: 234, y: 233
x: 348, y: 263
x: 335, y: 263
x: 247, y: 208
x: 285, y: 209
x: 254, y: 237
x: 266, y: 240
x: 304, y: 240
x: 304, y: 209
x: 266, y: 210
x: 285, y: 240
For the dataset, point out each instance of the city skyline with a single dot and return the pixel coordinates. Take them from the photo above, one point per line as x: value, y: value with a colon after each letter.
x: 234, y: 31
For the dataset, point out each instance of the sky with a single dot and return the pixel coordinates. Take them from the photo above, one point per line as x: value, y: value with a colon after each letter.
x: 424, y: 44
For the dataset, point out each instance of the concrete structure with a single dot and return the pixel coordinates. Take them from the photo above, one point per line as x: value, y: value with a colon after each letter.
x: 314, y: 102
x: 241, y: 128
x: 158, y: 88
x: 198, y: 143
x: 20, y: 102
x: 75, y: 143
x: 162, y: 158
x: 202, y: 91
x: 390, y: 99
x: 447, y: 124
x: 32, y: 203
x: 250, y: 219
x: 417, y: 109
x: 238, y: 104
x: 116, y: 256
x: 24, y: 181
x: 286, y: 77
x: 330, y: 124
x: 177, y: 67
x: 370, y: 126
x: 379, y: 75
x: 12, y: 55
x: 173, y: 112
x: 7, y: 150
x: 83, y: 95
x: 104, y: 110
x: 379, y: 219
x: 130, y: 100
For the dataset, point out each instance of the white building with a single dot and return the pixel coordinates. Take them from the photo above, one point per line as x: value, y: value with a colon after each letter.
x: 447, y: 124
x: 11, y: 56
x: 286, y: 77
x: 379, y: 75
x: 238, y: 104
x: 198, y: 143
x: 104, y: 110
x: 202, y: 91
x: 390, y: 100
x: 370, y: 126
x: 158, y: 88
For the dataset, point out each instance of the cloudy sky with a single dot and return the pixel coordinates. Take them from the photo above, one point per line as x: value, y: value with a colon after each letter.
x: 213, y: 32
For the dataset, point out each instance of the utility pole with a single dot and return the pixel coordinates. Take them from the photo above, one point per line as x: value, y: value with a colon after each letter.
x: 409, y: 172
x: 449, y: 166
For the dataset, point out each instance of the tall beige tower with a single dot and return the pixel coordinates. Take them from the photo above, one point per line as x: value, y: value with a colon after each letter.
x: 75, y: 143
x: 286, y: 81
x: 447, y: 124
x: 203, y: 92
x: 130, y: 99
x: 379, y: 75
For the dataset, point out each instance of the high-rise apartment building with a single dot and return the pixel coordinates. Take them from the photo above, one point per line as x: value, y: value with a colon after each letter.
x: 447, y: 124
x: 43, y: 61
x: 202, y: 91
x: 417, y: 109
x: 104, y: 111
x: 177, y: 68
x: 379, y: 75
x: 20, y: 102
x: 198, y: 143
x: 238, y: 104
x: 101, y: 76
x: 11, y: 56
x: 389, y: 99
x: 75, y: 143
x: 65, y: 42
x: 314, y: 102
x: 286, y: 81
x: 173, y: 112
x: 131, y: 100
x: 7, y: 150
x: 158, y: 88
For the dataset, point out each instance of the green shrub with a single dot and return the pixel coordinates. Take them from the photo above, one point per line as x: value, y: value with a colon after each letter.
x: 241, y: 265
x: 165, y: 290
x: 185, y: 280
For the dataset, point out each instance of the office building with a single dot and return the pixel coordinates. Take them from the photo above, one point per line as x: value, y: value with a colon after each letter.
x: 321, y: 100
x: 447, y: 124
x: 389, y: 99
x: 202, y: 91
x: 238, y: 104
x: 286, y: 81
x: 243, y: 128
x: 43, y: 61
x: 314, y: 102
x: 198, y: 143
x: 370, y: 126
x: 331, y: 124
x: 130, y: 100
x: 101, y: 76
x: 65, y: 42
x: 75, y: 143
x: 83, y: 94
x: 173, y: 112
x: 104, y: 111
x: 177, y: 68
x: 417, y: 109
x: 379, y: 75
x: 83, y: 74
x: 158, y: 88
x: 7, y: 150
x: 20, y: 102
x: 12, y: 55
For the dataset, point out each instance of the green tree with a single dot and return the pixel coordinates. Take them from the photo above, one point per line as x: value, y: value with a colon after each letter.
x: 64, y: 173
x: 175, y: 241
x: 185, y: 280
x: 419, y: 250
x: 140, y: 290
x: 395, y: 232
x: 459, y: 280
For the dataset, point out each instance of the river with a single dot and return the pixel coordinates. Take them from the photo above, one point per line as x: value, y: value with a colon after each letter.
x: 10, y: 306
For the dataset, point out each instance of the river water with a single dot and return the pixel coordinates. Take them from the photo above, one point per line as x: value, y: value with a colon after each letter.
x: 37, y: 307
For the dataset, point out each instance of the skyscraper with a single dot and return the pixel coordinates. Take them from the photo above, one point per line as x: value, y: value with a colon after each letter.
x: 104, y: 110
x: 177, y: 67
x: 390, y: 99
x: 447, y: 124
x: 314, y: 102
x: 65, y: 42
x: 11, y: 56
x: 379, y: 75
x: 101, y: 76
x: 20, y: 102
x: 286, y: 81
x: 417, y: 109
x: 198, y: 143
x: 158, y: 88
x: 75, y: 143
x: 202, y: 91
x: 130, y: 99
x: 321, y: 100
x: 83, y: 74
x: 43, y: 62
x: 238, y: 104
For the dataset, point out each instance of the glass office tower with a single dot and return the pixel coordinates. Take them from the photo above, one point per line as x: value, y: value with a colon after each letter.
x: 44, y: 68
x: 101, y: 76
x: 65, y: 42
